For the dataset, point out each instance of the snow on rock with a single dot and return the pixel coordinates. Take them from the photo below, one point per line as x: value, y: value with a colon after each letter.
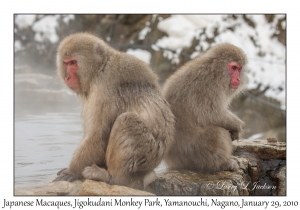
x: 45, y: 29
x: 143, y: 55
x: 24, y: 21
x: 67, y: 18
x: 18, y: 46
x: 255, y: 136
x: 144, y: 32
x: 180, y: 31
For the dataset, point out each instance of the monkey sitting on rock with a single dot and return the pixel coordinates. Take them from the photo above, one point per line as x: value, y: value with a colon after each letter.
x: 128, y: 125
x: 199, y: 94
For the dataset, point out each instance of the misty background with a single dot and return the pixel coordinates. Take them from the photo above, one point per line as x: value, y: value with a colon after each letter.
x: 47, y: 115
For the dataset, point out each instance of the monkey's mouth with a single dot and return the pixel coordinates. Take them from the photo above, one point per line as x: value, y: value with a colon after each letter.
x: 234, y: 86
x: 74, y: 86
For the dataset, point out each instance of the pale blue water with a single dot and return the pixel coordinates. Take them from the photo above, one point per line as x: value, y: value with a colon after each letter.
x: 44, y: 144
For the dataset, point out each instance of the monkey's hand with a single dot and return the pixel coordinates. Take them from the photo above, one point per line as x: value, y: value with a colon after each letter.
x: 66, y: 175
x: 234, y: 135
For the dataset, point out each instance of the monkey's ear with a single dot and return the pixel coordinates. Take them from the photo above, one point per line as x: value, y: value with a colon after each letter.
x: 99, y: 49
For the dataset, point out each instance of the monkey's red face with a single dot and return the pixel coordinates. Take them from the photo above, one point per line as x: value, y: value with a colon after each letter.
x: 234, y: 70
x: 71, y: 78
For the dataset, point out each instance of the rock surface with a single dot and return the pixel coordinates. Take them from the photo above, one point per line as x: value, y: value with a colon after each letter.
x: 192, y: 183
x: 52, y: 188
x: 78, y: 187
x: 90, y: 187
x: 262, y: 171
x: 262, y: 148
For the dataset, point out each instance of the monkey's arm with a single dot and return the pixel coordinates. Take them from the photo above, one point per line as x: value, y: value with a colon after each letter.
x: 92, y: 148
x: 233, y: 124
x: 87, y: 154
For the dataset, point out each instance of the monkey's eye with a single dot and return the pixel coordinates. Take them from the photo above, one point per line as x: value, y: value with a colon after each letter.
x: 234, y: 67
x: 73, y: 62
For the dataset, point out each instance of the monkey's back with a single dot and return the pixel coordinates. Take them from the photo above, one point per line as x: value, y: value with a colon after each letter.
x: 133, y: 87
x: 192, y: 100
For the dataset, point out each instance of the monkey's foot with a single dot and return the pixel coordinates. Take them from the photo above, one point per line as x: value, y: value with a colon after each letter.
x: 60, y: 171
x: 233, y: 164
x: 149, y: 178
x: 65, y: 175
x: 95, y: 173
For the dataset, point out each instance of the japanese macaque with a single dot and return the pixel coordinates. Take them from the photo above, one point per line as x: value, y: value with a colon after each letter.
x: 199, y: 94
x: 128, y: 126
